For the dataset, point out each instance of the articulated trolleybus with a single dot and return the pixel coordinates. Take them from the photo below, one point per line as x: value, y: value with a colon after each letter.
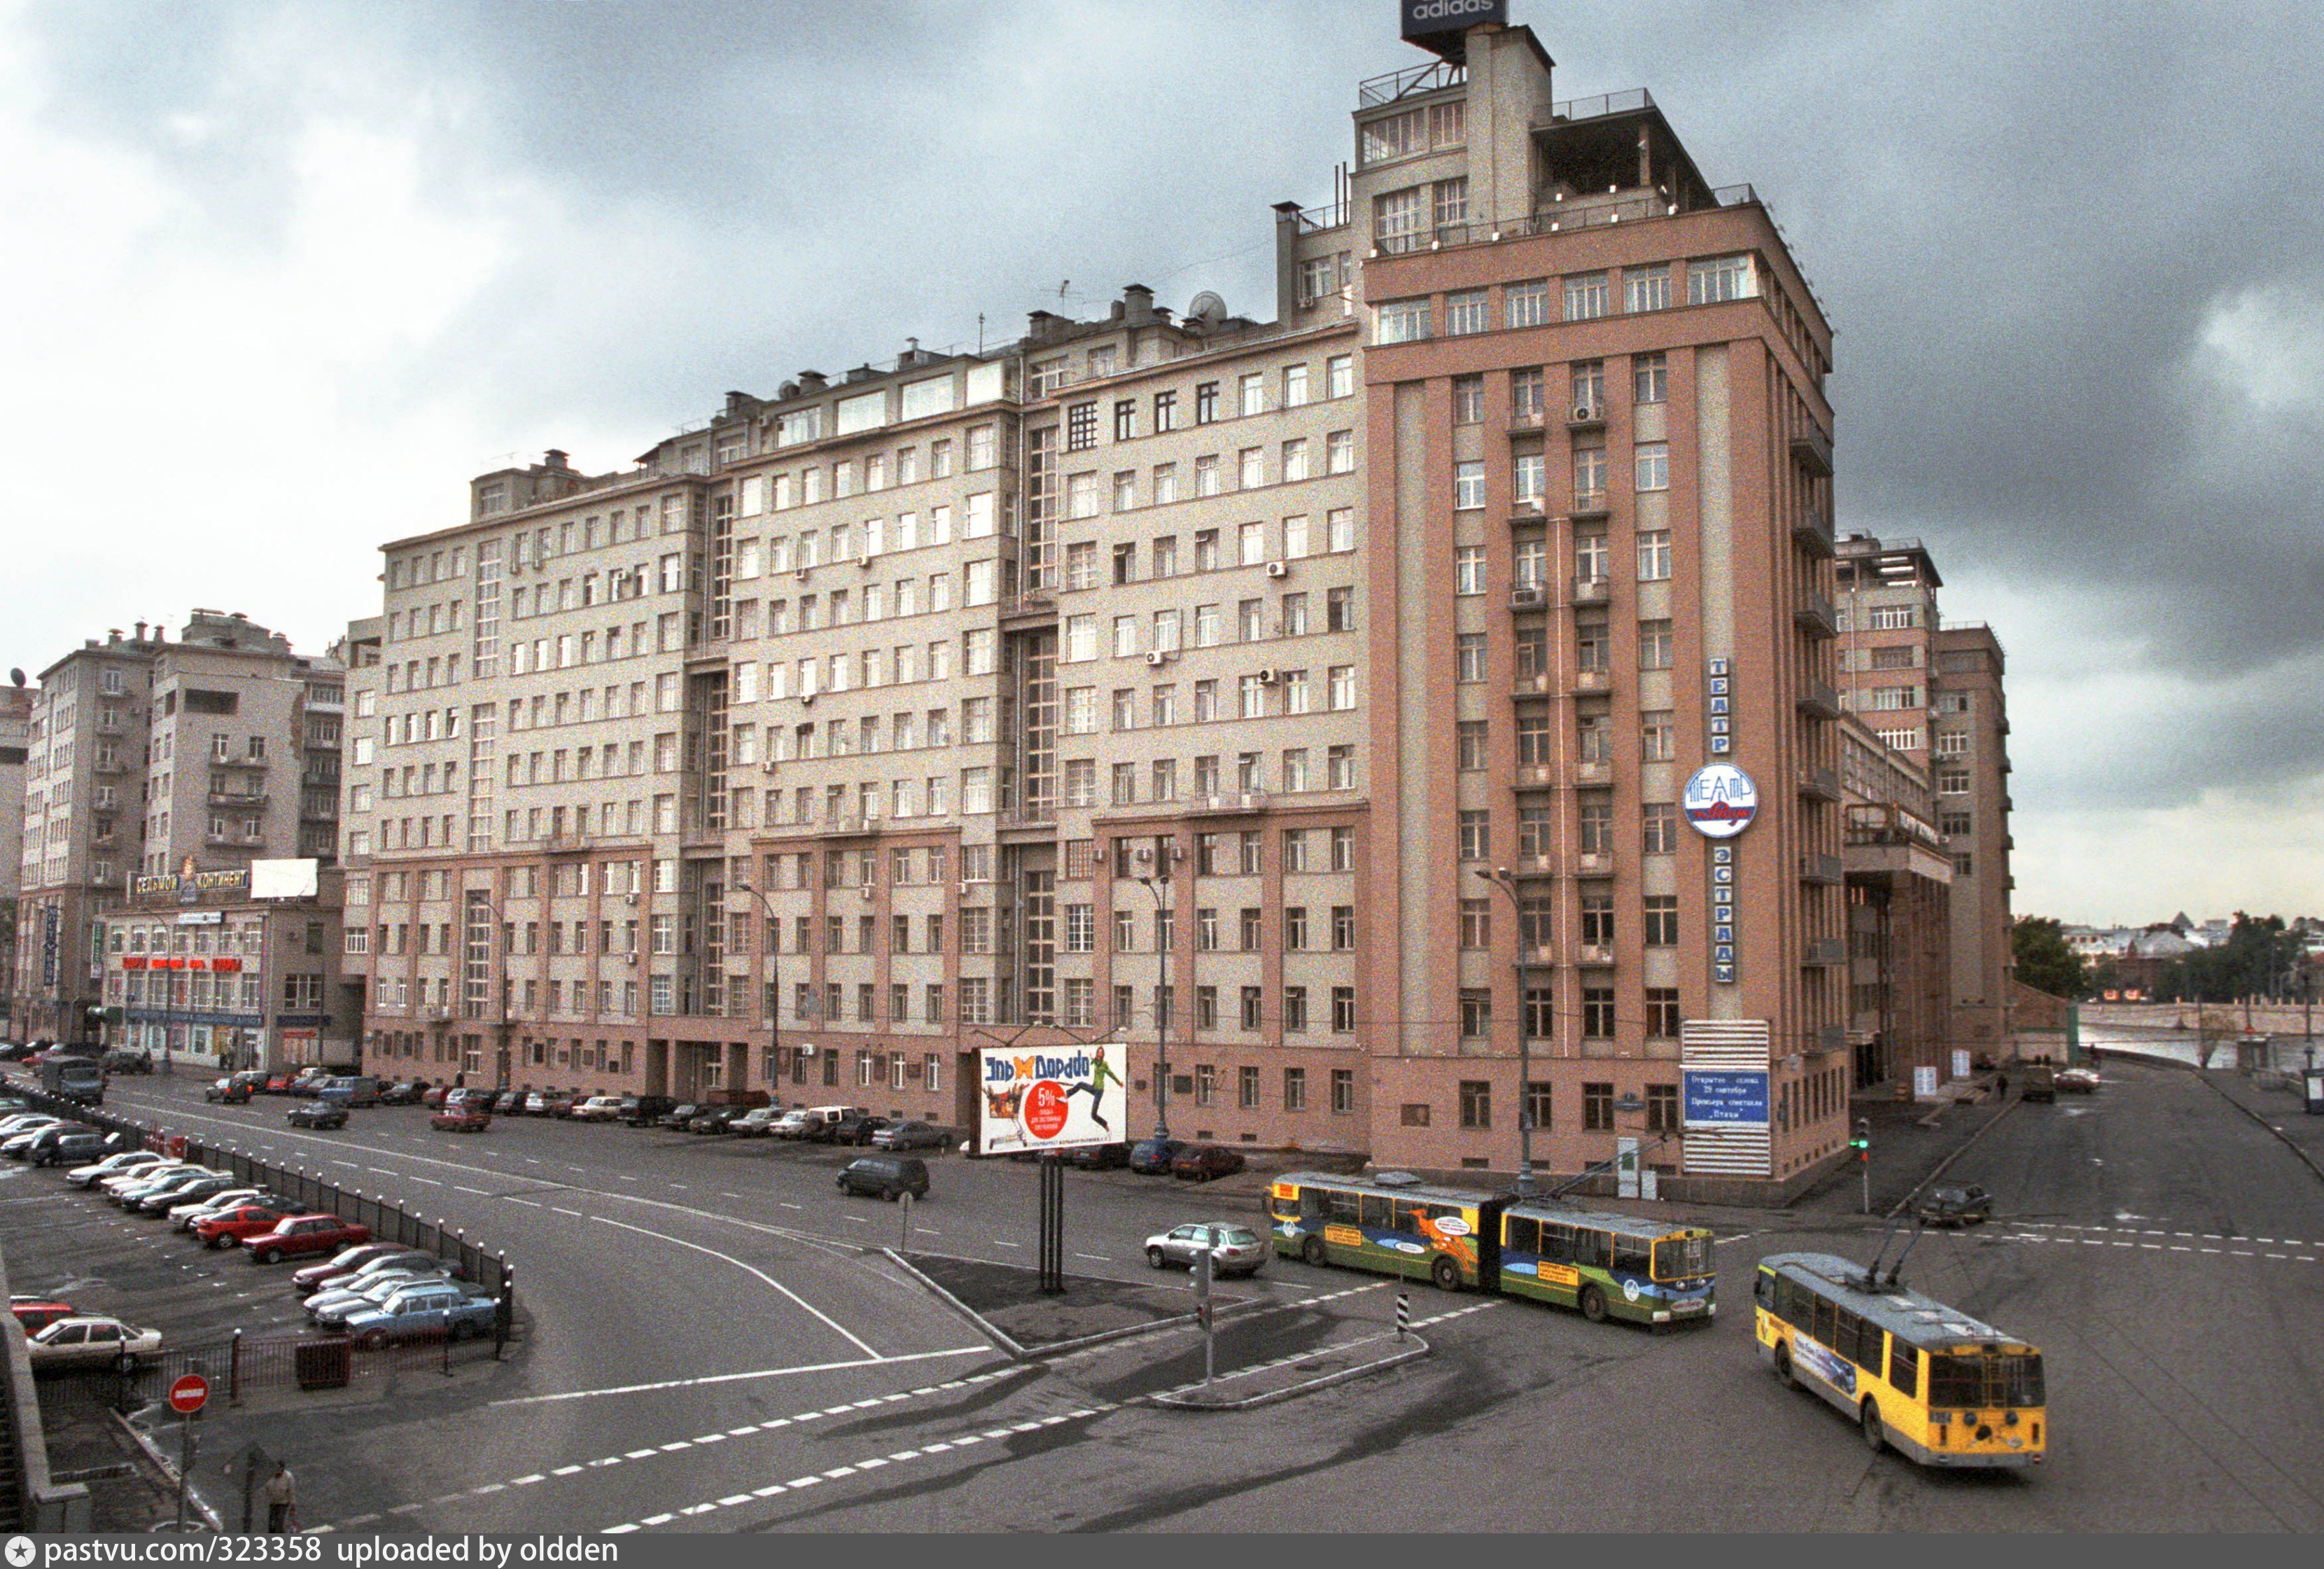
x: 1936, y: 1384
x: 1608, y: 1266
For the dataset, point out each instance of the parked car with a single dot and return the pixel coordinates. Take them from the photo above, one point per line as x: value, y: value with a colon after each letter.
x: 910, y: 1136
x: 208, y: 1185
x: 134, y: 1196
x: 1954, y: 1206
x: 311, y: 1082
x: 433, y: 1098
x: 392, y: 1260
x: 349, y: 1090
x: 423, y: 1310
x: 18, y: 1145
x: 405, y: 1093
x: 508, y: 1103
x: 331, y: 1308
x: 1233, y: 1249
x: 321, y: 1114
x: 121, y: 1060
x: 792, y: 1124
x: 598, y: 1109
x: 278, y: 1084
x: 856, y: 1129
x: 755, y: 1123
x: 556, y: 1103
x: 36, y: 1314
x: 1100, y: 1158
x: 309, y: 1279
x: 224, y: 1228
x: 228, y: 1092
x: 300, y: 1236
x: 678, y: 1116
x: 121, y: 1185
x: 885, y: 1175
x: 1205, y: 1163
x: 646, y: 1110
x: 461, y: 1119
x: 821, y: 1120
x: 183, y: 1217
x: 716, y: 1119
x: 535, y: 1103
x: 119, y: 1165
x: 2079, y: 1081
x: 72, y: 1343
x: 1152, y: 1156
x: 70, y: 1146
x: 2037, y: 1081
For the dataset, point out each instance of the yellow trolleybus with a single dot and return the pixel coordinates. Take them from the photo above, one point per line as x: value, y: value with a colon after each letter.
x: 1930, y: 1380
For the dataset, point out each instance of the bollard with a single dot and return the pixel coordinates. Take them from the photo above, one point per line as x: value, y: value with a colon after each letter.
x: 233, y: 1372
x: 1403, y: 1313
x: 904, y: 1238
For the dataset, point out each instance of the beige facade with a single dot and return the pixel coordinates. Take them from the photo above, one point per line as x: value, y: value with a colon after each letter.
x: 1184, y: 680
x: 15, y: 737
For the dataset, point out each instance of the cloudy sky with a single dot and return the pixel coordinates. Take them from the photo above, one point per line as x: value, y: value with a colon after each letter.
x: 281, y: 277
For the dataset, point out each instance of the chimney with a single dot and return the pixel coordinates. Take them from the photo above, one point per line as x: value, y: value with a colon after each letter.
x: 141, y: 631
x: 1139, y: 300
x: 555, y: 458
x: 112, y: 636
x: 813, y: 381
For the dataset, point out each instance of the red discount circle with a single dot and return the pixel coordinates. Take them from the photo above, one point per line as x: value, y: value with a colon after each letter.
x: 1045, y: 1110
x: 190, y: 1394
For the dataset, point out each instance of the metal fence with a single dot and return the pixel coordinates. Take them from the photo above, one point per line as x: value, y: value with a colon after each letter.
x: 389, y: 1221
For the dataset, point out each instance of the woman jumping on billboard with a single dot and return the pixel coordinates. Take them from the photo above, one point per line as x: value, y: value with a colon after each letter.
x: 1095, y: 1087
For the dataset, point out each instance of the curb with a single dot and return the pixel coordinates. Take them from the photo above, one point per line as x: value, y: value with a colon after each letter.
x: 2280, y: 1135
x: 169, y: 1468
x: 1175, y: 1401
x: 1943, y: 1166
x: 1025, y: 1354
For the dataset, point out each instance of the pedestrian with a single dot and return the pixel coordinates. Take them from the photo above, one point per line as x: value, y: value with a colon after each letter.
x: 2001, y: 1086
x: 281, y: 1501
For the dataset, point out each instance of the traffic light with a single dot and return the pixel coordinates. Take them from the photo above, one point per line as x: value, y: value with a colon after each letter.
x: 1862, y: 1143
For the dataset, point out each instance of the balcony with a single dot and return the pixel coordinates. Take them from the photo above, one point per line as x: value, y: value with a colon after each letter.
x: 1535, y: 866
x: 570, y: 843
x: 110, y: 765
x: 1819, y: 951
x: 1410, y: 82
x: 1819, y: 784
x: 1589, y: 682
x: 1225, y: 803
x: 1812, y: 450
x: 1811, y: 531
x: 1595, y: 956
x: 1593, y: 590
x: 1591, y: 504
x: 1594, y: 863
x: 1543, y: 954
x: 1537, y: 776
x: 1598, y: 772
x: 248, y: 763
x: 1033, y: 605
x: 1586, y: 417
x: 1528, y: 599
x: 1817, y: 701
x: 1815, y: 616
x: 230, y: 799
x: 1823, y: 870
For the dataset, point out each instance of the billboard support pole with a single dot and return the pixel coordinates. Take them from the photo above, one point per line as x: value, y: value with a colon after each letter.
x: 1053, y: 1226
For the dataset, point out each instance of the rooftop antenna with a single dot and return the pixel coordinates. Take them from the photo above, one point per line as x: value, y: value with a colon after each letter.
x: 980, y: 334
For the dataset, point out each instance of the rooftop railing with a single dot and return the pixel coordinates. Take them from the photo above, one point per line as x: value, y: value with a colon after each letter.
x: 1409, y: 83
x: 1623, y: 102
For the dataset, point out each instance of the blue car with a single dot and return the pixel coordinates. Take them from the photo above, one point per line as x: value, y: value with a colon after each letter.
x: 424, y: 1310
x: 1152, y: 1156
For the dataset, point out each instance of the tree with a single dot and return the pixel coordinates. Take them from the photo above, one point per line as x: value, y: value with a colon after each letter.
x: 2260, y: 958
x: 2044, y: 962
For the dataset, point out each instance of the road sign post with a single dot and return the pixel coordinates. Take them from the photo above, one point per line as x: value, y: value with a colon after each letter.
x: 187, y: 1394
x: 1202, y: 1312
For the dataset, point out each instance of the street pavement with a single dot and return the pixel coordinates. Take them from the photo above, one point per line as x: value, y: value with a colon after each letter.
x: 718, y: 1344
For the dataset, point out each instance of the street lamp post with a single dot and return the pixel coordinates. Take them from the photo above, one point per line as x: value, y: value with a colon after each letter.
x: 1158, y: 883
x: 774, y: 947
x: 1499, y: 877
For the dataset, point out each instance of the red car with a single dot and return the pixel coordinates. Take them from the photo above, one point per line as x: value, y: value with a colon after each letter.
x: 238, y: 1224
x: 278, y: 1085
x: 37, y: 1313
x: 1205, y: 1162
x: 296, y: 1236
x: 462, y: 1120
x: 314, y: 1276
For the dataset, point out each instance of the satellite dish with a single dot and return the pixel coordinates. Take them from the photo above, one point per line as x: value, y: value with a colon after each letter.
x: 1208, y: 307
x: 17, y: 677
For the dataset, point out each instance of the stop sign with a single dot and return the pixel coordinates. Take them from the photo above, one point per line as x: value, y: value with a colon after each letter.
x: 189, y: 1394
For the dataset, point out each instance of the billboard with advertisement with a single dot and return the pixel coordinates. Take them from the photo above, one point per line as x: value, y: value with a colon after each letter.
x: 1724, y: 1097
x: 284, y: 879
x: 1051, y: 1097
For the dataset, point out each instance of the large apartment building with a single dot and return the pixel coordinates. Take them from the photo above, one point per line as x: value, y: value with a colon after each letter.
x: 1310, y: 704
x: 15, y: 737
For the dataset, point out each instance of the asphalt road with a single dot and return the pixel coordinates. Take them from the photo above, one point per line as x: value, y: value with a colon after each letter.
x: 716, y: 1348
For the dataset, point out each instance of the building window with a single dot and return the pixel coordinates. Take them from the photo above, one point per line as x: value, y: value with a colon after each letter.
x: 1597, y: 1013
x: 1651, y: 468
x: 1469, y: 656
x: 1717, y: 277
x: 1468, y: 486
x: 1465, y: 313
x: 1654, y: 645
x: 1469, y: 568
x: 1662, y: 1012
x: 1660, y: 833
x: 1647, y: 288
x: 1413, y: 1115
x: 1525, y: 304
x: 1246, y: 1087
x: 1467, y: 400
x: 1653, y: 554
x: 1470, y: 741
x: 1394, y: 321
x: 1344, y: 1023
x: 1650, y: 378
x: 1476, y: 1104
x: 1476, y: 923
x: 1597, y: 1108
x: 1662, y: 920
x: 1344, y: 1092
x: 1476, y: 835
x: 1587, y: 296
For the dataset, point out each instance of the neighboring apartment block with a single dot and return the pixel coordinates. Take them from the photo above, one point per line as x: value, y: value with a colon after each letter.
x: 16, y: 734
x: 1932, y: 694
x: 152, y: 761
x: 1309, y: 704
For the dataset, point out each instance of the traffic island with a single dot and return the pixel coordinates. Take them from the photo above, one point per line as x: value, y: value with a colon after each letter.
x: 1005, y: 1302
x: 1288, y: 1378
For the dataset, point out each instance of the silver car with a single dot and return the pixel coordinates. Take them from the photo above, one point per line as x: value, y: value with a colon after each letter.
x: 1234, y: 1250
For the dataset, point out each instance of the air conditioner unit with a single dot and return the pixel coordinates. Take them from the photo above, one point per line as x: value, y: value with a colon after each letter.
x: 807, y: 699
x: 806, y: 1050
x: 1525, y: 596
x: 767, y: 766
x: 1587, y: 413
x: 866, y: 890
x: 963, y: 890
x: 1157, y: 659
x: 633, y: 961
x: 802, y: 572
x: 1267, y: 676
x: 864, y: 560
x: 1279, y: 569
x: 1533, y: 504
